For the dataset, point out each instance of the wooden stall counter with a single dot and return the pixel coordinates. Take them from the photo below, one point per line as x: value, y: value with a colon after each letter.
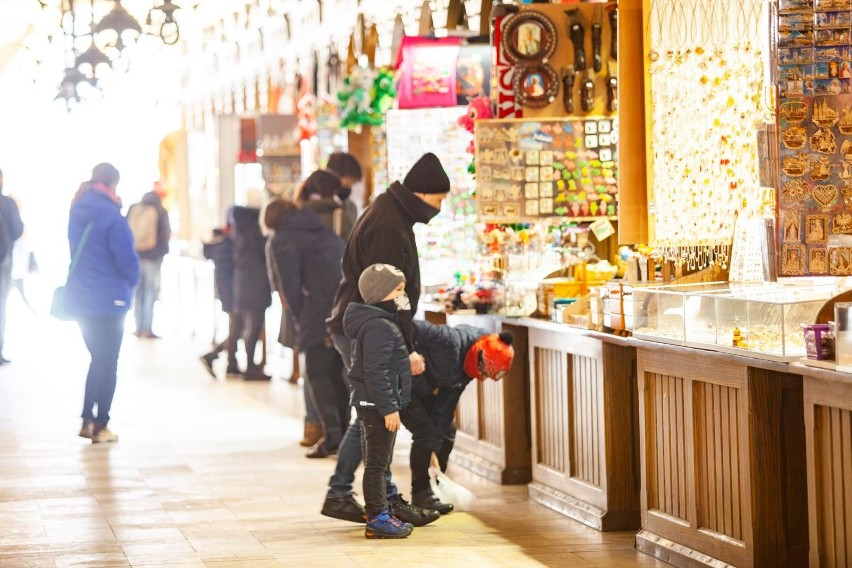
x: 828, y: 441
x: 722, y: 448
x: 565, y: 421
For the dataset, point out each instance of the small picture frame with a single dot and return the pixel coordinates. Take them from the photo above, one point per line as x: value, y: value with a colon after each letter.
x: 531, y: 173
x: 545, y: 189
x: 531, y: 191
x: 817, y: 261
x: 531, y: 207
x: 532, y: 158
x: 816, y: 229
x: 546, y: 157
x: 536, y: 86
x: 545, y: 173
x: 529, y: 37
x: 545, y: 206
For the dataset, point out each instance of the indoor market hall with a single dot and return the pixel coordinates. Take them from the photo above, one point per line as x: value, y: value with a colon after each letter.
x: 210, y: 473
x: 426, y: 283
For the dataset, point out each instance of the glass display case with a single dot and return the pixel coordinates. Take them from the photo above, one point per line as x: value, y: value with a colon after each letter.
x: 766, y: 321
x: 759, y: 320
x: 660, y: 313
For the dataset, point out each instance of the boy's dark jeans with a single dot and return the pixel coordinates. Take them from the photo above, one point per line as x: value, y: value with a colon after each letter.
x: 377, y: 459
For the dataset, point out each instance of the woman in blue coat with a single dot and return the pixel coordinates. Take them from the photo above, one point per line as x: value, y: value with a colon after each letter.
x: 307, y: 249
x: 100, y: 290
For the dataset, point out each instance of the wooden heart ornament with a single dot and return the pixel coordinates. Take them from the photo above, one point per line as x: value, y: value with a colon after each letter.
x: 824, y: 195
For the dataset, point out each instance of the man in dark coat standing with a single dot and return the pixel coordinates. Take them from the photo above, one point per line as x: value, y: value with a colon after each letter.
x: 384, y: 234
x: 252, y: 294
x: 14, y: 228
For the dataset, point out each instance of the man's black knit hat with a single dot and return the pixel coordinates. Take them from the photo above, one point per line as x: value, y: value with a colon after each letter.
x: 427, y: 176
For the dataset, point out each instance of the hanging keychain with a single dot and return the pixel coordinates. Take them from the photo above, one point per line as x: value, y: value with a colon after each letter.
x: 578, y: 37
x: 568, y: 78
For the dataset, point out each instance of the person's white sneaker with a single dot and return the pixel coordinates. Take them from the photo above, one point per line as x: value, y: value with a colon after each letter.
x: 104, y: 435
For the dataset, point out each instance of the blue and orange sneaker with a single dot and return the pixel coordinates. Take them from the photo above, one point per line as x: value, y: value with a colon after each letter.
x: 385, y: 526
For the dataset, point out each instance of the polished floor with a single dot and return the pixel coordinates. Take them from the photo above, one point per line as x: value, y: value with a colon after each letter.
x: 209, y: 474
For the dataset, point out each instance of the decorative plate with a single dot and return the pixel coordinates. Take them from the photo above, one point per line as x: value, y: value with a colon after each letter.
x: 529, y: 37
x: 536, y: 86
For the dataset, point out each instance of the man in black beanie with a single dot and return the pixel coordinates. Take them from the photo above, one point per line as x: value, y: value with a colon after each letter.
x: 384, y: 234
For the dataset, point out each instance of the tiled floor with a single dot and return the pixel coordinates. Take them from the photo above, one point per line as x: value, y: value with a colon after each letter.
x: 209, y: 474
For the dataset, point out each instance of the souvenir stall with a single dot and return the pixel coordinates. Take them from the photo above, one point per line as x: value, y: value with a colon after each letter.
x: 814, y: 238
x: 546, y: 199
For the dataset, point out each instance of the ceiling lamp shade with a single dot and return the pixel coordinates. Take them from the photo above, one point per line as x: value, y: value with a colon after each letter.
x: 91, y: 58
x: 119, y: 22
x: 68, y: 86
x: 169, y: 30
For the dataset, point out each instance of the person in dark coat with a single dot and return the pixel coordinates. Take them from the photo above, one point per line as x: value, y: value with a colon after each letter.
x: 151, y: 264
x: 220, y: 249
x: 251, y: 284
x: 273, y: 214
x: 100, y: 290
x: 453, y: 360
x: 384, y: 234
x: 14, y: 229
x: 380, y: 376
x: 307, y: 252
x: 347, y: 169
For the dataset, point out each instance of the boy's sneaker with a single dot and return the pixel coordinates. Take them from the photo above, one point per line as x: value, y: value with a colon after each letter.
x: 408, y: 513
x: 385, y: 526
x: 344, y: 508
x: 103, y: 435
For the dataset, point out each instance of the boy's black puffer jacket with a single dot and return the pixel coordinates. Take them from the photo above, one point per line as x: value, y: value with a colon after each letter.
x: 381, y: 373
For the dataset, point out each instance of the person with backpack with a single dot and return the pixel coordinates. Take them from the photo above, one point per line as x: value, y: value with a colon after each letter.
x: 149, y: 223
x: 11, y: 229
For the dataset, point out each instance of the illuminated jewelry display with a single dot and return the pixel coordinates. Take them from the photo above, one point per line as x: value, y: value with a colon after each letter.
x: 707, y: 94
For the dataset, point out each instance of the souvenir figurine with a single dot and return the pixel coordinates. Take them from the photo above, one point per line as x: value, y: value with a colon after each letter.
x: 613, y: 31
x: 597, y: 28
x: 578, y: 37
x: 568, y: 78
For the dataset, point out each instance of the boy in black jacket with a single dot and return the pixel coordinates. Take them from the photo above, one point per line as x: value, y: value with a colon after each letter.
x: 381, y: 385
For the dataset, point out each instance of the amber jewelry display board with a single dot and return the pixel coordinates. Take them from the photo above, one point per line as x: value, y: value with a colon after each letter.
x: 705, y: 103
x: 814, y: 73
x: 529, y: 169
x: 556, y: 49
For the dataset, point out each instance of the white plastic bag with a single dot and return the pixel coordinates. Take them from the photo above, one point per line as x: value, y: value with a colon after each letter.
x: 448, y: 491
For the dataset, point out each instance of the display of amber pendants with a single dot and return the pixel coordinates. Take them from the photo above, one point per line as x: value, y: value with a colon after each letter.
x: 794, y: 112
x: 794, y: 191
x: 824, y: 195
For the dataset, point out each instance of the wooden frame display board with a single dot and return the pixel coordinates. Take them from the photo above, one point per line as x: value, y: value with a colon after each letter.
x: 561, y: 49
x: 533, y: 169
x: 814, y: 72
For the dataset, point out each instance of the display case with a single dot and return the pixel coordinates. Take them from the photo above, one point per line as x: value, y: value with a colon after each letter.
x: 760, y: 320
x: 765, y: 321
x: 661, y: 313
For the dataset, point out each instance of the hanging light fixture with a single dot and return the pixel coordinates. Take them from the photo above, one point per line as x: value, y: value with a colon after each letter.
x: 89, y: 61
x: 120, y: 23
x: 169, y: 31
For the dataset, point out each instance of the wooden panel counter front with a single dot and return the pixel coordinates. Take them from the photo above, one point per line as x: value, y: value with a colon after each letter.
x: 565, y: 420
x: 722, y: 448
x: 828, y: 437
